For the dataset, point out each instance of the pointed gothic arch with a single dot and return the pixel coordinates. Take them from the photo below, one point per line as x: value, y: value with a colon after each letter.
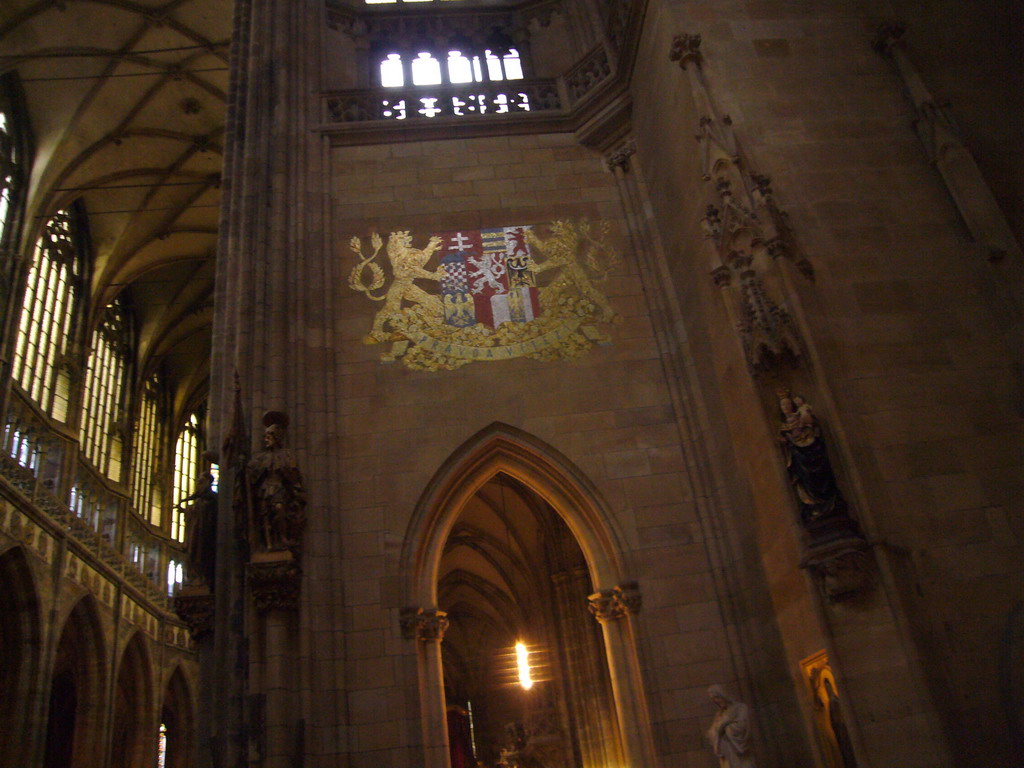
x: 133, y: 736
x: 177, y: 714
x: 20, y: 647
x: 498, y: 450
x: 77, y: 691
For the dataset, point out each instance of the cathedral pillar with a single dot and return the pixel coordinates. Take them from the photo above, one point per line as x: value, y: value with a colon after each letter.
x: 583, y: 665
x: 615, y: 610
x: 427, y: 627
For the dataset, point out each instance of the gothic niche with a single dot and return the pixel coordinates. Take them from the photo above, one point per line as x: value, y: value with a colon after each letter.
x: 276, y: 506
x: 513, y: 573
x: 748, y: 238
x: 836, y: 551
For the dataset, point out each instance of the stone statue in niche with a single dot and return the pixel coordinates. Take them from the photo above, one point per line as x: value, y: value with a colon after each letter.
x: 730, y: 731
x: 201, y: 530
x: 810, y: 471
x: 278, y: 496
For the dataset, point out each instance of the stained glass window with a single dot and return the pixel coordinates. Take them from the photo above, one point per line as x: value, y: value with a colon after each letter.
x: 47, y: 315
x: 99, y: 433
x: 147, y: 494
x: 186, y: 470
x: 161, y: 747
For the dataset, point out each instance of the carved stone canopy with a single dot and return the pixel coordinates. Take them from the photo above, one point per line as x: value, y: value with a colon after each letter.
x: 614, y: 603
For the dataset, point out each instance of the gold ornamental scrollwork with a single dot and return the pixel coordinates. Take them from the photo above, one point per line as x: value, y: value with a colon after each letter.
x: 490, y: 294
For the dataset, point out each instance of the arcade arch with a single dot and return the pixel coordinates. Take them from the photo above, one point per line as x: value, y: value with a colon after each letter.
x: 177, y: 720
x: 20, y: 643
x: 74, y: 728
x: 133, y: 740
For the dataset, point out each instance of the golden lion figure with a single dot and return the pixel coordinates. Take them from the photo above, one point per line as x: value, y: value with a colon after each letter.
x: 407, y: 265
x: 562, y: 251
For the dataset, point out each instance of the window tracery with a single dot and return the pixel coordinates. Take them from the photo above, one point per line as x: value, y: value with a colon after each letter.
x: 99, y: 433
x: 13, y: 160
x: 147, y: 494
x: 48, y: 314
x: 186, y: 469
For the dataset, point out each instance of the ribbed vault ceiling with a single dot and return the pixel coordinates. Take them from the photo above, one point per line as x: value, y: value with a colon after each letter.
x: 126, y: 105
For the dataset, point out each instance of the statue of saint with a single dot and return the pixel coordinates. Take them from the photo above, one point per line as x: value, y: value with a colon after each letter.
x: 807, y: 461
x: 278, y: 497
x: 201, y: 530
x: 729, y: 734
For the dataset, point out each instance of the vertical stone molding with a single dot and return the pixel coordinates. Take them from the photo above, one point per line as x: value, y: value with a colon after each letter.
x: 942, y: 140
x: 747, y: 235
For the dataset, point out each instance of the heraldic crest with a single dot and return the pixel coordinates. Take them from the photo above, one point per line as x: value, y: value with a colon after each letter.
x: 500, y: 293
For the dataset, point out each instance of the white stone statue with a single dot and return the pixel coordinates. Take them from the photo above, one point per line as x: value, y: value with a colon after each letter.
x: 729, y: 734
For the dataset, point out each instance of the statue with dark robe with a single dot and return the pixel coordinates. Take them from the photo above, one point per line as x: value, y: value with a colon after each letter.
x: 201, y: 530
x: 278, y: 496
x: 807, y: 462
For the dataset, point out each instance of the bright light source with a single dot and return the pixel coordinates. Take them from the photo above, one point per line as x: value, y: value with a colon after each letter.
x: 523, y: 661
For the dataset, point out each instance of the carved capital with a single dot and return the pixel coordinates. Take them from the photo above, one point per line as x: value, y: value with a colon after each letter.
x: 194, y: 606
x: 685, y: 49
x: 614, y: 603
x: 619, y: 158
x: 722, y: 276
x: 889, y: 36
x: 275, y: 579
x: 427, y: 624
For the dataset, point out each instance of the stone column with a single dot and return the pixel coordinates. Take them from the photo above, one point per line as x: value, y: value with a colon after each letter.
x: 615, y: 608
x: 427, y: 626
x: 274, y: 578
x: 585, y: 672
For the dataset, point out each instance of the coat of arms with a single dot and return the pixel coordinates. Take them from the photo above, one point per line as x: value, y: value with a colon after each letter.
x: 489, y: 294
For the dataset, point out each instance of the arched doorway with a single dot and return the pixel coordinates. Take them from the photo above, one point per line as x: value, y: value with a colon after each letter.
x: 176, y: 731
x: 567, y: 531
x: 74, y: 726
x: 19, y: 656
x: 525, y: 669
x: 134, y: 738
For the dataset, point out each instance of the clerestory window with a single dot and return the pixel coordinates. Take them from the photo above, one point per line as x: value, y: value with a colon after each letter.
x: 460, y: 67
x: 99, y: 432
x: 48, y: 314
x: 147, y: 494
x: 13, y: 160
x: 186, y: 469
